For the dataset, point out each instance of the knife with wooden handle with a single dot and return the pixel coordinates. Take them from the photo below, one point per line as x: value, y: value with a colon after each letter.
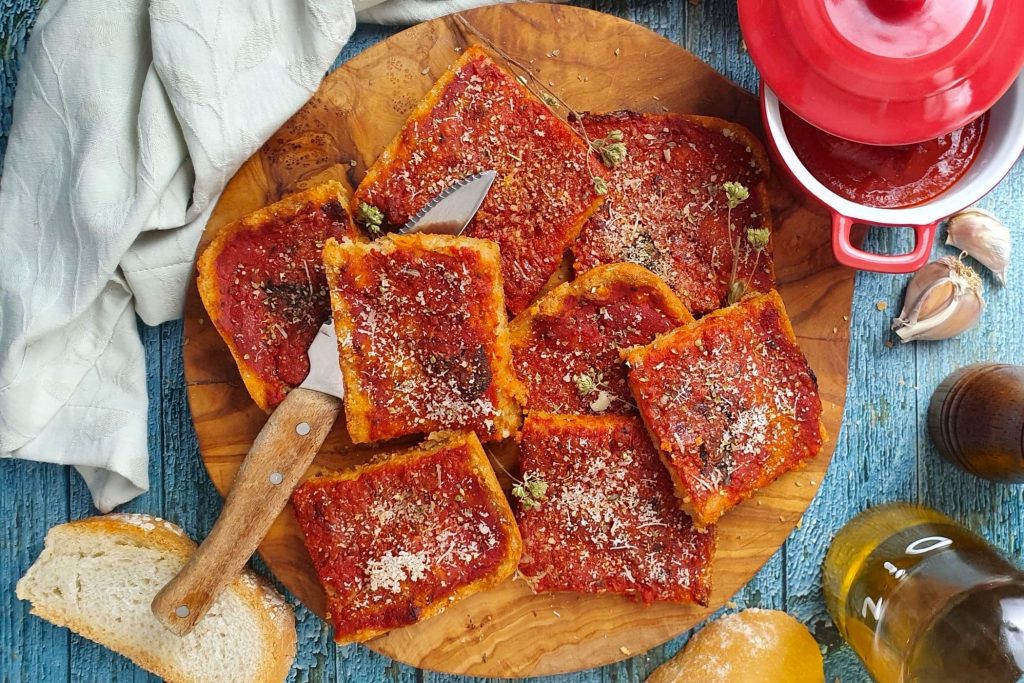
x: 287, y: 444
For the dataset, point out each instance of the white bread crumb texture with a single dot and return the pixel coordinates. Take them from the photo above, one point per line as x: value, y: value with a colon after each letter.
x: 98, y: 577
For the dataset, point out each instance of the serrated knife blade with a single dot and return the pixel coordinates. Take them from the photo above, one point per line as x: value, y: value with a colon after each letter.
x: 446, y: 213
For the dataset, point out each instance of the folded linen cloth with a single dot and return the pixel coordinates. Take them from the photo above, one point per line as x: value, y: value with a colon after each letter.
x: 129, y: 119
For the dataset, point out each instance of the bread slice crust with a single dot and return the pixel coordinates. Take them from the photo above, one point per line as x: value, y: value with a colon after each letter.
x: 608, y: 521
x: 731, y: 403
x: 478, y: 117
x: 667, y: 208
x: 397, y: 541
x: 275, y: 619
x: 423, y: 337
x: 262, y: 284
x: 565, y: 346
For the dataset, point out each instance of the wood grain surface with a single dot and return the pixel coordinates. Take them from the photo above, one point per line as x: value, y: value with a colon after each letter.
x: 883, y: 452
x: 261, y: 487
x: 353, y: 115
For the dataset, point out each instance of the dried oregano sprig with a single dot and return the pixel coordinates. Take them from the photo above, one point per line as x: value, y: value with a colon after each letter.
x: 757, y: 238
x: 735, y: 194
x: 530, y: 490
x: 371, y: 217
x: 610, y: 148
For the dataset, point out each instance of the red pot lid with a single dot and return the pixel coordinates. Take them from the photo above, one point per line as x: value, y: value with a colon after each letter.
x: 886, y: 72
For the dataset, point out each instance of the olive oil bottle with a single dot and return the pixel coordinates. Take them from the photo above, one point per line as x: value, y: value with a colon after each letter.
x: 921, y: 599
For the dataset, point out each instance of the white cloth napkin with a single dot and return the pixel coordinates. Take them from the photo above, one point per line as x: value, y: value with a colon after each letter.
x: 129, y: 118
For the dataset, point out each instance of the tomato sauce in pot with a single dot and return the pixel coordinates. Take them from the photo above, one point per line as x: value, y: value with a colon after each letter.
x: 885, y: 177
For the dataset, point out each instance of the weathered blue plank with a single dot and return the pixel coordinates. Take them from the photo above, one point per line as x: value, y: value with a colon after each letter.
x: 994, y: 510
x: 883, y: 452
x: 89, y: 662
x: 33, y: 497
x: 16, y: 20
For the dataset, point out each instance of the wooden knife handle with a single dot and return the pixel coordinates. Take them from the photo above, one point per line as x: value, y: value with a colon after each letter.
x: 281, y: 454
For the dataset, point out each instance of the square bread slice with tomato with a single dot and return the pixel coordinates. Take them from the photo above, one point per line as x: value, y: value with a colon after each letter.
x: 399, y: 540
x: 730, y: 402
x: 598, y: 515
x: 565, y: 346
x: 423, y: 337
x: 479, y: 117
x: 262, y: 283
x: 688, y: 200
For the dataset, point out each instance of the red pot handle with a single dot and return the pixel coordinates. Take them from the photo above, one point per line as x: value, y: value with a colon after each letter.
x: 851, y: 256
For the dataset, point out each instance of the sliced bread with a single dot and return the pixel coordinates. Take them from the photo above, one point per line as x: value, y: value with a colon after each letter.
x: 97, y: 576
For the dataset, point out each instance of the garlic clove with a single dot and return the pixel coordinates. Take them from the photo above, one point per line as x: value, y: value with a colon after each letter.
x: 943, y: 299
x: 983, y: 237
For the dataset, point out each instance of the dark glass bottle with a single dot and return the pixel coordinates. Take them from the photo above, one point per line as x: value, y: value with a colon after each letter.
x: 976, y: 420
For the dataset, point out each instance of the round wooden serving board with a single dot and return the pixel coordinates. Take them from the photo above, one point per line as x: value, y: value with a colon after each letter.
x: 602, y: 64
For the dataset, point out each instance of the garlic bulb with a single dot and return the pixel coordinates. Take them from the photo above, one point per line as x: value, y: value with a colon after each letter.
x: 982, y: 236
x: 943, y: 299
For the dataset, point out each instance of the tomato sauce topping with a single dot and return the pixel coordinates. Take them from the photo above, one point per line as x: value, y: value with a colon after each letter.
x: 609, y: 521
x: 404, y: 534
x: 885, y: 177
x: 666, y: 208
x: 273, y: 294
x: 420, y: 326
x: 569, y: 358
x: 484, y: 119
x: 731, y: 402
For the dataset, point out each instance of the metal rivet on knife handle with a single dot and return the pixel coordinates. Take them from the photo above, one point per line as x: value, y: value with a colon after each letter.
x: 276, y: 478
x: 302, y: 429
x: 181, y: 611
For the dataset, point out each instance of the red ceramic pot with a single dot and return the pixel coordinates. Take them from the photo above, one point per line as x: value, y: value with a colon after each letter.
x: 892, y: 72
x: 1003, y: 144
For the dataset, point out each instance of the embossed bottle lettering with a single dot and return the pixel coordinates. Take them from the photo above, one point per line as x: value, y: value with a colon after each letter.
x: 922, y: 599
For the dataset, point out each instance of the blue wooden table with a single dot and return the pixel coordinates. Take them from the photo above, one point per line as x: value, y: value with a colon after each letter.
x: 883, y: 451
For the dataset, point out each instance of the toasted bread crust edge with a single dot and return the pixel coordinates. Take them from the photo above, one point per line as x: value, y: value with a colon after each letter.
x: 206, y: 280
x: 593, y: 284
x: 277, y: 623
x: 701, y: 592
x: 480, y: 466
x: 423, y: 109
x: 713, y: 510
x: 510, y: 391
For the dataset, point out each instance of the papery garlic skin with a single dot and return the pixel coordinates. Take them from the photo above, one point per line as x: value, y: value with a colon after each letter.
x: 943, y: 300
x: 983, y: 237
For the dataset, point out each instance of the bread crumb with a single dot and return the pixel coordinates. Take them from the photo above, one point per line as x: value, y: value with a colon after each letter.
x: 625, y: 650
x: 881, y: 305
x: 731, y: 604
